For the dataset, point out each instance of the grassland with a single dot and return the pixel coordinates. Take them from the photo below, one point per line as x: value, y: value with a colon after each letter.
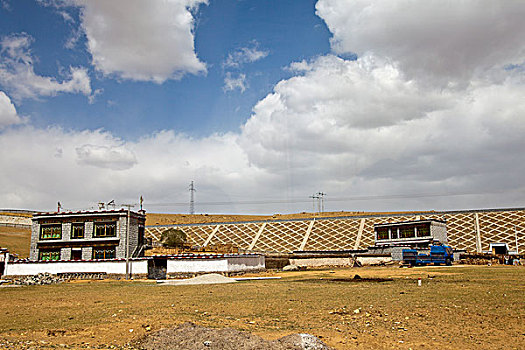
x: 16, y: 239
x: 465, y: 307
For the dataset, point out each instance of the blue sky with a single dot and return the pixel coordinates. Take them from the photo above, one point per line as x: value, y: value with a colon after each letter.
x: 383, y: 105
x: 195, y: 104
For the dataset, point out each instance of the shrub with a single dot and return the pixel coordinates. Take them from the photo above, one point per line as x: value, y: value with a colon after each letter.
x: 173, y: 238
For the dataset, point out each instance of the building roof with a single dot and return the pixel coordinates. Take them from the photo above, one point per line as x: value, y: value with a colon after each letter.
x: 119, y: 212
x: 408, y: 222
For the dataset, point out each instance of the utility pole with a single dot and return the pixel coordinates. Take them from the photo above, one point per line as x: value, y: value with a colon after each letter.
x: 192, y: 199
x: 128, y: 267
x: 314, y: 197
x: 321, y: 200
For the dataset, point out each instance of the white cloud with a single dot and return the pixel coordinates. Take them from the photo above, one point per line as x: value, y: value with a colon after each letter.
x: 447, y: 42
x: 362, y: 127
x: 79, y: 168
x: 8, y: 114
x: 17, y: 73
x: 232, y: 82
x: 244, y: 55
x: 141, y: 40
x: 116, y: 158
x: 347, y: 128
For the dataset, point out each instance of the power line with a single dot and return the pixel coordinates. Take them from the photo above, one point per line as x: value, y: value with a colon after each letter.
x: 332, y: 199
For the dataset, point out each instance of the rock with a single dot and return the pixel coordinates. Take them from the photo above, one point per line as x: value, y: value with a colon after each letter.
x: 291, y: 268
x: 40, y: 279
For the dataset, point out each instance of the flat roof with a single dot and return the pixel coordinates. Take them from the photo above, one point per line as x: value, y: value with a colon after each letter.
x: 62, y: 214
x: 409, y: 222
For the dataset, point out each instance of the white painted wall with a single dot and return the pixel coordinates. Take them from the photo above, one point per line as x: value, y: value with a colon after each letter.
x: 316, y: 262
x: 197, y: 265
x: 110, y: 267
x: 365, y: 260
x: 245, y: 263
x: 187, y: 265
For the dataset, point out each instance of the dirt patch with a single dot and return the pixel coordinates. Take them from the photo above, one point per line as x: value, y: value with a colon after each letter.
x: 357, y: 279
x: 190, y: 336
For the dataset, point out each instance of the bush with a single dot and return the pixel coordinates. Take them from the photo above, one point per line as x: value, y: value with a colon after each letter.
x: 173, y: 238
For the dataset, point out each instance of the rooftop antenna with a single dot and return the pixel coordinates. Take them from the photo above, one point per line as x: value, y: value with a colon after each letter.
x: 192, y: 199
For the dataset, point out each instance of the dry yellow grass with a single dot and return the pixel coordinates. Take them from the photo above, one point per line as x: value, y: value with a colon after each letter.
x: 16, y: 239
x: 458, y: 307
x: 173, y: 219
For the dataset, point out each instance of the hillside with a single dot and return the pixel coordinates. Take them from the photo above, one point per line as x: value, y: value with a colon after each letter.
x: 179, y: 219
x: 16, y: 239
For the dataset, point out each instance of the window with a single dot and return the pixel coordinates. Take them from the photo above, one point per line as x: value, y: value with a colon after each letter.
x: 382, y: 233
x: 393, y: 230
x: 104, y: 253
x: 423, y: 230
x: 77, y: 231
x: 407, y: 232
x: 49, y: 255
x: 51, y: 231
x: 105, y: 229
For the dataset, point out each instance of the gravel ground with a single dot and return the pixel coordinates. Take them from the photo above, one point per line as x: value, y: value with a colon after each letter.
x: 211, y: 278
x: 189, y: 336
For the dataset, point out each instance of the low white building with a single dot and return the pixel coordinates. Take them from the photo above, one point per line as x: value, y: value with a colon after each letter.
x: 155, y: 267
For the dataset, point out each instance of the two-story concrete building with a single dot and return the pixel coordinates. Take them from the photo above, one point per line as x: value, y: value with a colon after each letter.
x: 87, y: 235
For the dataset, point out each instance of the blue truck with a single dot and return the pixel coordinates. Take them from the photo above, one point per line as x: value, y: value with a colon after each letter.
x: 439, y: 254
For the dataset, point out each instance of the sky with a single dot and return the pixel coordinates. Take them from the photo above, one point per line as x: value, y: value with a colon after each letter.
x: 380, y: 105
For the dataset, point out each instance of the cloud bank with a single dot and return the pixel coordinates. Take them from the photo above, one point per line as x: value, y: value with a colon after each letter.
x: 433, y: 104
x: 446, y: 42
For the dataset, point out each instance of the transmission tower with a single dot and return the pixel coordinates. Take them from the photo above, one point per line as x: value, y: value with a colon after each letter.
x: 192, y: 199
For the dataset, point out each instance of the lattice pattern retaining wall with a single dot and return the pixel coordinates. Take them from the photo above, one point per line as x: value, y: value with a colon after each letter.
x: 470, y: 230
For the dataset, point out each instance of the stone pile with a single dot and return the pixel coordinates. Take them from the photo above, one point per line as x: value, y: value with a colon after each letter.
x: 38, y: 280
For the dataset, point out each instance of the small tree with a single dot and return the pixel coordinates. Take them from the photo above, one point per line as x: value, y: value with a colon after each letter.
x: 173, y: 238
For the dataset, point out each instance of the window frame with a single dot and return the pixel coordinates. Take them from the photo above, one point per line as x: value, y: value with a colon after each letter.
x: 426, y: 229
x: 77, y: 225
x: 106, y: 225
x: 108, y: 252
x: 54, y: 254
x: 52, y: 234
x: 380, y: 233
x: 403, y: 230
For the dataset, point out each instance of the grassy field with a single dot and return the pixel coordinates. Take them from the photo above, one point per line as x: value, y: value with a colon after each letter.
x: 465, y: 307
x: 16, y: 239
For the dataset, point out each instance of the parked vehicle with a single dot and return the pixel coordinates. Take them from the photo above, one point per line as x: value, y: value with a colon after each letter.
x: 439, y: 254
